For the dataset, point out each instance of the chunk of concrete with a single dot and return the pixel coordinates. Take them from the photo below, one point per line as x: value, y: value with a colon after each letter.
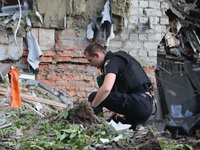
x: 9, y: 50
x: 4, y: 69
x: 53, y: 17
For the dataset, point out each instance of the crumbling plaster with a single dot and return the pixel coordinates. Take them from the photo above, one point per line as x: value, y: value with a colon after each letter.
x: 78, y: 13
x: 139, y: 25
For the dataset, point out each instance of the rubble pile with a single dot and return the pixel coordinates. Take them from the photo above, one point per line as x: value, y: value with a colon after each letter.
x: 181, y: 41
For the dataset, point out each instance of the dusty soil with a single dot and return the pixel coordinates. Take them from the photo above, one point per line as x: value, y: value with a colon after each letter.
x: 144, y: 138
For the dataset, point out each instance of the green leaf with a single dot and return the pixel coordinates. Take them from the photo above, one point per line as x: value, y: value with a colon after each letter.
x: 188, y: 147
x: 103, y: 132
x: 37, y: 147
x: 100, y: 114
x: 9, y: 143
x: 10, y: 114
x: 63, y: 136
x: 17, y: 125
x: 72, y: 135
x: 65, y: 114
x: 69, y: 130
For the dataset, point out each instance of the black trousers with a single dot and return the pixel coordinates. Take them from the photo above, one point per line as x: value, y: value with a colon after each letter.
x: 136, y: 107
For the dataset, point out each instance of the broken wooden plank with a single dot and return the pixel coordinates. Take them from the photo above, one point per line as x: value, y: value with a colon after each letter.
x: 37, y: 112
x: 37, y: 99
x: 49, y: 89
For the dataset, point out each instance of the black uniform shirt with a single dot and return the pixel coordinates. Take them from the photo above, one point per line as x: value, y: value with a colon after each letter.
x: 116, y: 64
x: 113, y: 64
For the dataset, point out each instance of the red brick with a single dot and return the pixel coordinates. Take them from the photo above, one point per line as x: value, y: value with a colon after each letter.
x: 85, y: 89
x: 86, y: 84
x: 53, y: 77
x: 67, y: 48
x: 62, y: 66
x: 67, y: 77
x: 25, y: 53
x: 81, y: 67
x: 42, y: 67
x: 88, y: 78
x: 56, y: 87
x: 78, y: 78
x: 80, y: 59
x: 49, y: 53
x: 60, y: 83
x: 70, y: 88
x: 72, y: 94
x: 41, y: 77
x: 52, y: 67
x: 57, y: 46
x: 61, y: 71
x: 67, y: 72
x: 73, y: 83
x: 82, y: 94
x: 59, y: 53
x: 49, y: 82
x: 68, y: 53
x: 62, y: 59
x: 46, y: 59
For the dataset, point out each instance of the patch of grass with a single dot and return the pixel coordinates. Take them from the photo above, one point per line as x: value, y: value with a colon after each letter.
x: 167, y: 146
x: 51, y: 135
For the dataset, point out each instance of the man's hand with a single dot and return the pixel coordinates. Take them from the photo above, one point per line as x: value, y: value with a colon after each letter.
x: 115, y: 116
x: 105, y: 89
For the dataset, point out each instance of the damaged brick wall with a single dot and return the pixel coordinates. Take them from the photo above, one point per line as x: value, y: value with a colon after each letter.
x: 64, y: 67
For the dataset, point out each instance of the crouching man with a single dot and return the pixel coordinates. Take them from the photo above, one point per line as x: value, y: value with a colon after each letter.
x: 125, y: 87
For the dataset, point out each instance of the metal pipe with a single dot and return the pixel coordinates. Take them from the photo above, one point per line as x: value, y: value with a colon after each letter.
x: 20, y: 14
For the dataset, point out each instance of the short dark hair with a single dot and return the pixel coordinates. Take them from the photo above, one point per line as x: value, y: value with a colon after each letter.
x: 94, y: 47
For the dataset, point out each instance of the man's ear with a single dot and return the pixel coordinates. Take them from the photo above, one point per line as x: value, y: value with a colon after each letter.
x: 96, y: 54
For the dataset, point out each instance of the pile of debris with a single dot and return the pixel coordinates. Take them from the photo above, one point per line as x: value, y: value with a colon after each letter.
x: 77, y: 130
x: 181, y: 42
x: 59, y: 124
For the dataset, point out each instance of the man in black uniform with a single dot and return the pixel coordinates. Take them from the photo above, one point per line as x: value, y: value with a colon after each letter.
x: 125, y: 86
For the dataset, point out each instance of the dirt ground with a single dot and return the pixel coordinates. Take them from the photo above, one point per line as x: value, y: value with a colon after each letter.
x: 143, y: 138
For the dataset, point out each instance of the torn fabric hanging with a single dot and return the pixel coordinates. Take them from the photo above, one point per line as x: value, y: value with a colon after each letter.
x: 103, y: 32
x: 34, y: 51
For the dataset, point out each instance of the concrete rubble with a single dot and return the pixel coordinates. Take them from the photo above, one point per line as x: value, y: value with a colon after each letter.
x: 181, y: 42
x: 178, y: 56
